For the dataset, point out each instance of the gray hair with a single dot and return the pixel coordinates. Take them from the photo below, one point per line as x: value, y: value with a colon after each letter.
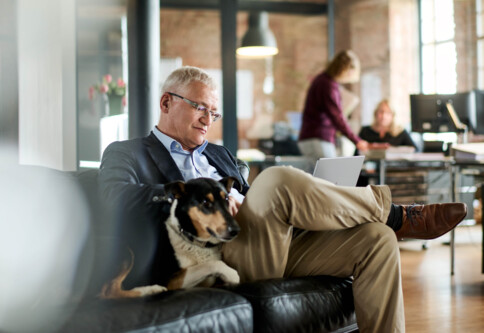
x: 183, y: 76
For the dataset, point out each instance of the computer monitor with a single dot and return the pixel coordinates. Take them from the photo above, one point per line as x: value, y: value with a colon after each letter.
x: 429, y: 113
x: 479, y: 124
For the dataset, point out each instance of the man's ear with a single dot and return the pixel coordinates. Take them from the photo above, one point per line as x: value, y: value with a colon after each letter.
x: 230, y: 182
x: 164, y: 103
x: 177, y: 189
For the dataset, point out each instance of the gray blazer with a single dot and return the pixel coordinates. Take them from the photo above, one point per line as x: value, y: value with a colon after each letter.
x: 134, y: 171
x: 131, y: 178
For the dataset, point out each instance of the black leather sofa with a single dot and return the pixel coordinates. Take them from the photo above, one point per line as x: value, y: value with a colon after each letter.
x: 308, y: 304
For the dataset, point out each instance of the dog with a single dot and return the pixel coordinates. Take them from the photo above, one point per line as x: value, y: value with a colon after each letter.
x: 198, y: 224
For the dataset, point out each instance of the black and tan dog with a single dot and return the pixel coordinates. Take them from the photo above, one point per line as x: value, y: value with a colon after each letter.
x: 197, y: 225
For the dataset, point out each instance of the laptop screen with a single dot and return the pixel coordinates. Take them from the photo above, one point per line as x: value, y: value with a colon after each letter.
x: 342, y: 171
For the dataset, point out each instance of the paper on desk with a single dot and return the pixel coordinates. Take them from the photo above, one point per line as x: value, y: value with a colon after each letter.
x: 250, y: 155
x: 400, y: 152
x: 468, y: 151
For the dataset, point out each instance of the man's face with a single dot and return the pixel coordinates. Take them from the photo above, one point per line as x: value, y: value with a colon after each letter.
x: 182, y: 121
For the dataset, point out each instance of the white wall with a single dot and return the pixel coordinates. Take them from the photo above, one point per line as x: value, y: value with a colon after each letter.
x: 47, y: 83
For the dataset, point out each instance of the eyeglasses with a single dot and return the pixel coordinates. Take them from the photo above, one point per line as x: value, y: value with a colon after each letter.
x: 200, y: 108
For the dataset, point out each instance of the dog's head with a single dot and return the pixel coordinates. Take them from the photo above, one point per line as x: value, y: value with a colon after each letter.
x: 202, y: 209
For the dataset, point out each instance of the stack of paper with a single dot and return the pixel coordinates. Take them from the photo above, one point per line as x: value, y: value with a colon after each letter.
x: 468, y: 151
x: 401, y: 152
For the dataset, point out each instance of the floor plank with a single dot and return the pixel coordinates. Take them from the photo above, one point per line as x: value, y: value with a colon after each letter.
x: 434, y: 300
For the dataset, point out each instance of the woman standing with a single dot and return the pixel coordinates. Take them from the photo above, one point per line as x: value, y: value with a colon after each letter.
x: 323, y: 114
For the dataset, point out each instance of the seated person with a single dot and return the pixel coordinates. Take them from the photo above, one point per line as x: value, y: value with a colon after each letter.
x: 342, y: 231
x: 383, y: 132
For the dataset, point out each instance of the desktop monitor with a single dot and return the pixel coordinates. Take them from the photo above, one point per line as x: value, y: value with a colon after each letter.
x: 479, y: 125
x: 430, y: 115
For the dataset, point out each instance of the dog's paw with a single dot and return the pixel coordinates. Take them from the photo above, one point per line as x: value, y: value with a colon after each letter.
x: 150, y: 290
x: 229, y: 276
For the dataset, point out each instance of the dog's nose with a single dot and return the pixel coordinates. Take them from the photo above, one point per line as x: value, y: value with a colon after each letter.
x: 233, y: 231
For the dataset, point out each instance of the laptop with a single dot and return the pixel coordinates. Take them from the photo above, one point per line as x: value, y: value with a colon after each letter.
x: 342, y: 171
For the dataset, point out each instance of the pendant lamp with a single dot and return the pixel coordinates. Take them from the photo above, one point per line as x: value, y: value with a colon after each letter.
x: 258, y: 41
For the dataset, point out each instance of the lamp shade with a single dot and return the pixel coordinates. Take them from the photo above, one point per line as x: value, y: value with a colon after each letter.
x: 258, y: 41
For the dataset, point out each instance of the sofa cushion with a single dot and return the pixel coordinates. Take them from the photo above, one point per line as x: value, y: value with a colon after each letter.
x: 306, y: 304
x: 194, y: 310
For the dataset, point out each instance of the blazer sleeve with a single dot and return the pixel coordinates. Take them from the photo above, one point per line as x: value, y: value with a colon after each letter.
x: 123, y: 183
x: 226, y: 164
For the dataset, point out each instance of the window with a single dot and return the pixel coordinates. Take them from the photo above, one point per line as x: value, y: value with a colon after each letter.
x: 480, y: 42
x: 438, y: 51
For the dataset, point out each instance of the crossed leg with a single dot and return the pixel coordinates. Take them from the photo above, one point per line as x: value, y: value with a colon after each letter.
x: 368, y: 252
x: 346, y: 230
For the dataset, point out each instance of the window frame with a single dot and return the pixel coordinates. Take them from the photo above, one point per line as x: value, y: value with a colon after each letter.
x: 435, y: 73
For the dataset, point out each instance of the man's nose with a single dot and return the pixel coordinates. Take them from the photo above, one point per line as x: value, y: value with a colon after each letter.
x: 206, y: 119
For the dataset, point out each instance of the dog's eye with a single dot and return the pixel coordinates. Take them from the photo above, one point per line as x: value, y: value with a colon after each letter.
x: 207, y: 204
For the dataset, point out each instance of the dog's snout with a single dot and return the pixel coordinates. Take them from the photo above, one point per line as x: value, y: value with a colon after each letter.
x: 233, y: 230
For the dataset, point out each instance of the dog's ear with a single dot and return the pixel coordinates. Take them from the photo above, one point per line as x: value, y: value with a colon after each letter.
x: 230, y: 182
x: 177, y: 189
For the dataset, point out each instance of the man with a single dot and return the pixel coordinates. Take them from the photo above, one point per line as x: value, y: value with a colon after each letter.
x: 291, y: 223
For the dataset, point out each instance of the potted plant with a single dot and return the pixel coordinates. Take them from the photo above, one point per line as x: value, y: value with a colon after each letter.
x: 113, y: 93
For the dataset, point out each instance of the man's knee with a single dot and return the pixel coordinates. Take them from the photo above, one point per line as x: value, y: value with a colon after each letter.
x: 381, y: 237
x: 275, y: 186
x: 280, y: 176
x: 280, y: 172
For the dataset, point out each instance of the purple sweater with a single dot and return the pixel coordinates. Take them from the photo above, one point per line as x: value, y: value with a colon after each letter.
x: 323, y: 115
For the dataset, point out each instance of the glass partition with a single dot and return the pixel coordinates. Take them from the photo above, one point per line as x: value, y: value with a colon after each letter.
x: 101, y: 76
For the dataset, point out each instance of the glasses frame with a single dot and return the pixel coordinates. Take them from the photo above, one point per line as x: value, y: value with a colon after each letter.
x: 200, y: 108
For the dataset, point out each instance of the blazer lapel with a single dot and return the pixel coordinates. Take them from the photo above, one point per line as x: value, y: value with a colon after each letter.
x: 162, y: 158
x: 216, y: 158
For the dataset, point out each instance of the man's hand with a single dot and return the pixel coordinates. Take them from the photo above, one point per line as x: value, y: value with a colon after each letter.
x: 234, y: 206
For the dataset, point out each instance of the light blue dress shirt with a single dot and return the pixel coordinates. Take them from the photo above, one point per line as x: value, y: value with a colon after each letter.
x: 192, y: 164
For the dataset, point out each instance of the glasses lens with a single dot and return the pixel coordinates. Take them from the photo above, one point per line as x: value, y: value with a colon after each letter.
x: 202, y: 109
x: 215, y: 116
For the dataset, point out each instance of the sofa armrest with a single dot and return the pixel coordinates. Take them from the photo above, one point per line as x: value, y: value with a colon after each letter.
x: 244, y: 168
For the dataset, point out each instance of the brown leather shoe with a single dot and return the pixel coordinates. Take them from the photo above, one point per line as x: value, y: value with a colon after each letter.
x: 430, y: 221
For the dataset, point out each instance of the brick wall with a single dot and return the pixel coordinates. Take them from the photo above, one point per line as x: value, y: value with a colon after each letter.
x: 384, y: 34
x: 464, y: 17
x: 195, y: 37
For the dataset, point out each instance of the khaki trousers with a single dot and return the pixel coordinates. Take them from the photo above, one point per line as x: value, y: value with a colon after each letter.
x: 344, y: 234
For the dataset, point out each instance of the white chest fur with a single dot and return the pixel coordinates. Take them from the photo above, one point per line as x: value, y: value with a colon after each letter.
x: 188, y: 254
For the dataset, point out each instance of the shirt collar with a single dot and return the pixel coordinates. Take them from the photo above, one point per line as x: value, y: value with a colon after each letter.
x: 171, y: 144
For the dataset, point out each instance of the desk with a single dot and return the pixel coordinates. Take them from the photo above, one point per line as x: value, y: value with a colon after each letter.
x: 424, y: 161
x: 417, y: 178
x: 420, y: 163
x: 459, y: 168
x: 417, y: 161
x: 456, y: 169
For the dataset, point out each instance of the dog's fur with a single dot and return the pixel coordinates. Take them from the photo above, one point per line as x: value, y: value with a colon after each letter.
x: 197, y: 225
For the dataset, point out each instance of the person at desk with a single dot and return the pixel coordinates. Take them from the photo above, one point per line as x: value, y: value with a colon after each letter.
x: 323, y: 113
x: 384, y: 132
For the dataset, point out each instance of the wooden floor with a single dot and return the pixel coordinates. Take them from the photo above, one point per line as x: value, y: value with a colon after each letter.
x: 434, y: 300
